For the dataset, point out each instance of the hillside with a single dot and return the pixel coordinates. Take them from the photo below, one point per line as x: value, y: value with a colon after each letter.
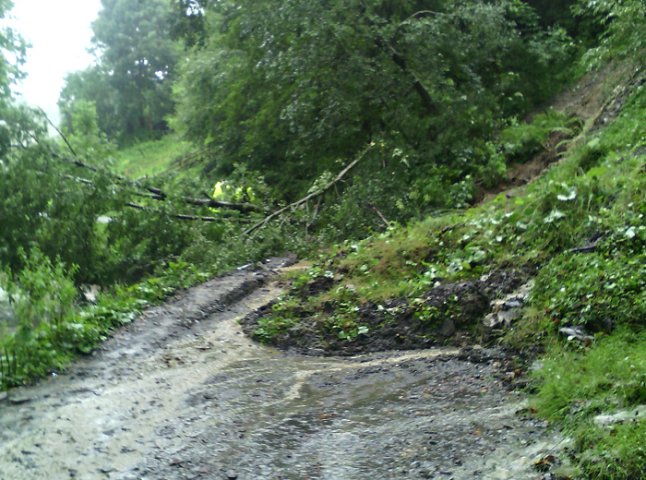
x: 463, y: 183
x: 554, y: 269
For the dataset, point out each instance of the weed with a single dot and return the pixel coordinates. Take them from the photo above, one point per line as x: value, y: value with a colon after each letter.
x: 520, y: 141
x: 574, y: 386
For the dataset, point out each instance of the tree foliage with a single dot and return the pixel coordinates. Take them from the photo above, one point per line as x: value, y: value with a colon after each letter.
x: 12, y: 56
x: 622, y: 28
x: 91, y: 85
x: 12, y: 53
x: 288, y: 87
x: 131, y: 84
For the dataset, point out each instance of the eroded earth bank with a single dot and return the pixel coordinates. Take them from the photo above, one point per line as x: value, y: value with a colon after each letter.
x: 183, y: 394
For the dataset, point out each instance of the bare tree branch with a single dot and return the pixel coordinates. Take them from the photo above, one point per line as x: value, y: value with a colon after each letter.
x: 312, y: 195
x: 380, y: 215
x: 58, y: 130
x: 421, y: 13
x: 179, y: 216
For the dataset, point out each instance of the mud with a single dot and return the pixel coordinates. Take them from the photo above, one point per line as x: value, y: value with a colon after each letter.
x: 184, y: 394
x: 458, y: 309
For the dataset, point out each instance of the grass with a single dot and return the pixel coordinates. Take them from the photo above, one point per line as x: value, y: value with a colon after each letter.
x: 153, y: 157
x: 584, y: 382
x: 577, y: 385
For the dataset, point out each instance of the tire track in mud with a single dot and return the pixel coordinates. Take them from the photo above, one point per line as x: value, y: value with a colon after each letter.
x: 183, y: 394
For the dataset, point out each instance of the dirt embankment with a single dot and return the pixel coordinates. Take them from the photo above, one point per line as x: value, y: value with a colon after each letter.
x: 458, y: 309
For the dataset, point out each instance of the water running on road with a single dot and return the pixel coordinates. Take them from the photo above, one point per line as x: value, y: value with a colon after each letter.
x: 183, y: 394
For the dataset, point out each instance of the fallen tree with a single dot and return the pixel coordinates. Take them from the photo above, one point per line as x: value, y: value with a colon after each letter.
x: 154, y: 193
x: 312, y: 195
x: 136, y: 206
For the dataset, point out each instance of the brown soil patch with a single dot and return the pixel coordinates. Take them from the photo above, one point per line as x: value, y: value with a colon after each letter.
x: 596, y: 99
x: 449, y: 316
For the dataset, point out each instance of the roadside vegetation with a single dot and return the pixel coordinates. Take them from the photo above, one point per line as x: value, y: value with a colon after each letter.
x: 409, y: 149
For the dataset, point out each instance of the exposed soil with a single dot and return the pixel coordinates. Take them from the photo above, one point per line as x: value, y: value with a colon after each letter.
x: 183, y: 394
x: 596, y: 100
x: 457, y: 310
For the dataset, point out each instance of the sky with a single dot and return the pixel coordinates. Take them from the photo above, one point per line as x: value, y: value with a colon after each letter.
x: 60, y: 32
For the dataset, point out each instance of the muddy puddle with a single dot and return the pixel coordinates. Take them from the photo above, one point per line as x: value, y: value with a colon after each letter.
x: 183, y: 394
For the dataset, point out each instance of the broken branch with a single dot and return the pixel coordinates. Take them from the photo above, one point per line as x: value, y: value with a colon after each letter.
x: 380, y: 215
x: 312, y: 195
x: 179, y: 216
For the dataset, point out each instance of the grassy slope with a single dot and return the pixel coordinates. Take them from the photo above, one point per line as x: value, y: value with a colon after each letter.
x: 154, y: 157
x: 594, y: 195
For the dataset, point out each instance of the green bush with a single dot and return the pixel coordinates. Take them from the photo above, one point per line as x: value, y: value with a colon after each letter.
x: 42, y: 296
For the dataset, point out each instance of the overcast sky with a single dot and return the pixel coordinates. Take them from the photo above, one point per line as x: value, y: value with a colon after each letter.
x: 59, y: 32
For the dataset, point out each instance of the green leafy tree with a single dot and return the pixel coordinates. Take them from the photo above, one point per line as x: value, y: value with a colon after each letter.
x: 12, y: 53
x: 621, y: 26
x: 288, y: 87
x: 554, y: 12
x: 84, y: 134
x: 12, y: 56
x: 188, y: 22
x: 91, y: 85
x: 131, y: 84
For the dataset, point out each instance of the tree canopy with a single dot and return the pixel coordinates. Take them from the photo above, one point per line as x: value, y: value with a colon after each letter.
x: 291, y: 86
x: 131, y: 82
x: 12, y: 56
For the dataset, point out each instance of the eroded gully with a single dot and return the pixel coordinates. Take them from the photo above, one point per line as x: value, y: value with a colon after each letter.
x: 183, y: 394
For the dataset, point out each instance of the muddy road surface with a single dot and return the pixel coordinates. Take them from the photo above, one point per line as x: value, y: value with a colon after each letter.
x: 183, y: 394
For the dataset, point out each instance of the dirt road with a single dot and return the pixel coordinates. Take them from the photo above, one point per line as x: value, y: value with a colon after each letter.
x: 183, y: 394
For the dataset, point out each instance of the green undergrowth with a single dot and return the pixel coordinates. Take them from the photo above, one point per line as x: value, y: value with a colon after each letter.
x: 45, y: 321
x: 577, y: 386
x: 579, y: 228
x: 50, y: 327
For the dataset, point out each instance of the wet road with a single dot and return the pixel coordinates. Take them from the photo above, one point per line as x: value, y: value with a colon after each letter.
x: 183, y: 394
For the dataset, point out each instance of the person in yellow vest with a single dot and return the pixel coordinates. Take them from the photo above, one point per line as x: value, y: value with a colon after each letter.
x: 224, y: 191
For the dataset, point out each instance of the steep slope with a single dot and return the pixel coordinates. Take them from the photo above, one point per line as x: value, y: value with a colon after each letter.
x: 574, y: 238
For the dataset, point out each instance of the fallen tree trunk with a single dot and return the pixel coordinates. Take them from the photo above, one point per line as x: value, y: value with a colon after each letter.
x: 179, y: 216
x: 312, y: 195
